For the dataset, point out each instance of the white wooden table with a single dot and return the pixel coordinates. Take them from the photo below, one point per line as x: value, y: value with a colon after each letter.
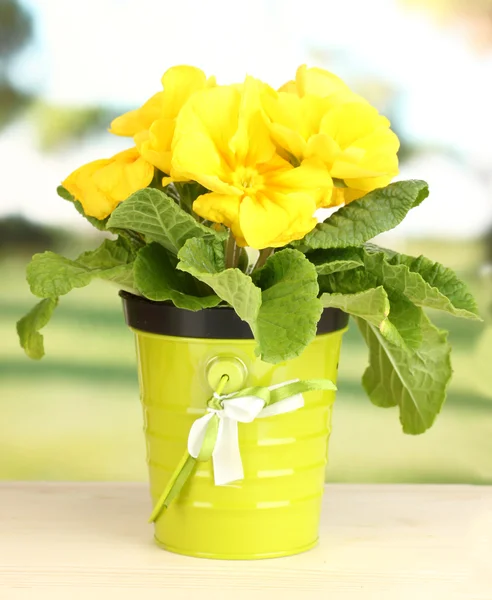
x: 71, y: 541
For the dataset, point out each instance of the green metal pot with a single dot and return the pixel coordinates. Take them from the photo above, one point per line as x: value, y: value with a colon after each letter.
x: 275, y: 510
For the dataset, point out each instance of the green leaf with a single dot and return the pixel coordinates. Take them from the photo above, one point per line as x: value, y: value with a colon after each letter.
x: 204, y: 259
x: 157, y: 216
x: 111, y: 253
x: 443, y: 288
x: 132, y: 239
x: 407, y: 320
x: 335, y: 260
x: 156, y: 278
x: 66, y: 195
x: 28, y: 327
x: 409, y: 358
x: 113, y: 261
x: 414, y: 380
x: 358, y: 222
x: 423, y: 282
x: 372, y: 305
x: 51, y: 275
x: 290, y: 307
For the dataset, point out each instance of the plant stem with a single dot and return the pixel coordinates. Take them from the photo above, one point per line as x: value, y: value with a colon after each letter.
x: 232, y: 252
x: 264, y: 255
x: 186, y: 194
x: 172, y: 192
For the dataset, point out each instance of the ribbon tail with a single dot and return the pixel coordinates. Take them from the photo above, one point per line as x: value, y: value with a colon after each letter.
x: 228, y: 465
x: 174, y: 486
x: 197, y: 434
x: 283, y: 406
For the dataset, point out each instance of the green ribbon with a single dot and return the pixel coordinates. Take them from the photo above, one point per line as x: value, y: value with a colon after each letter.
x: 186, y: 465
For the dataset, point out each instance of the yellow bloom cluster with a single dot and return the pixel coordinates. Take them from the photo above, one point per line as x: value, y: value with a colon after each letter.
x: 268, y: 158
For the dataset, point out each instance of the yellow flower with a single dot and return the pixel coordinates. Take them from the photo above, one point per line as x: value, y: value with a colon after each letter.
x: 317, y: 117
x: 223, y: 142
x: 152, y: 125
x: 358, y: 148
x: 102, y: 184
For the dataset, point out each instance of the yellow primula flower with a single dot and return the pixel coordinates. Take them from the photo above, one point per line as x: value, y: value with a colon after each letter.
x: 102, y: 184
x: 317, y: 117
x: 152, y: 125
x: 222, y: 141
x: 358, y: 147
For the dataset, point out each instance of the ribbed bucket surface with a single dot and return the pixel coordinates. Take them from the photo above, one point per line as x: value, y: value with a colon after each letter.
x: 275, y: 510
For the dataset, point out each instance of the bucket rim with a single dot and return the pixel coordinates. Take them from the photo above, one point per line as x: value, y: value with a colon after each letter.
x: 219, y: 322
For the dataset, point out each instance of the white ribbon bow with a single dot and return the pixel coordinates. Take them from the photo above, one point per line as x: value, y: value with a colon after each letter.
x: 226, y: 456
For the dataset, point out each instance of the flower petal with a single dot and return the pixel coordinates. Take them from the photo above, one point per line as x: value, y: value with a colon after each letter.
x: 155, y: 144
x: 179, y: 83
x: 294, y: 120
x: 220, y: 208
x: 346, y: 195
x: 290, y: 87
x: 289, y: 140
x: 126, y: 173
x: 322, y: 147
x: 79, y: 183
x: 309, y: 177
x: 372, y: 156
x: 196, y: 157
x: 102, y: 184
x: 212, y: 113
x: 273, y: 220
x: 367, y: 184
x: 285, y: 109
x: 251, y: 143
x: 349, y: 122
x: 318, y: 82
x: 134, y: 121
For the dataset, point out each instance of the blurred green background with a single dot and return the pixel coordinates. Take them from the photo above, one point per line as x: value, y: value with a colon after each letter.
x: 76, y: 415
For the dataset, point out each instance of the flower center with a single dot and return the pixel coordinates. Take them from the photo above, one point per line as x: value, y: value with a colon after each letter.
x: 247, y: 179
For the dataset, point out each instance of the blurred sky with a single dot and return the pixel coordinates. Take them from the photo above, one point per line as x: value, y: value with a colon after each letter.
x: 113, y: 52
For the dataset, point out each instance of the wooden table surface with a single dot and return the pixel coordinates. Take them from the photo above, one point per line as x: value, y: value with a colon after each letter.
x: 397, y: 542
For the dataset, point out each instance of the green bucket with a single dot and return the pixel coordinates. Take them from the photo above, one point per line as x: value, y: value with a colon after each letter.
x: 275, y: 510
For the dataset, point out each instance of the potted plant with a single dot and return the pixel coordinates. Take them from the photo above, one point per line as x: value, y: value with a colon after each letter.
x: 238, y: 297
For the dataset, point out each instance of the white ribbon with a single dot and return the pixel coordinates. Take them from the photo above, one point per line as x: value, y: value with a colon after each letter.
x: 226, y: 456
